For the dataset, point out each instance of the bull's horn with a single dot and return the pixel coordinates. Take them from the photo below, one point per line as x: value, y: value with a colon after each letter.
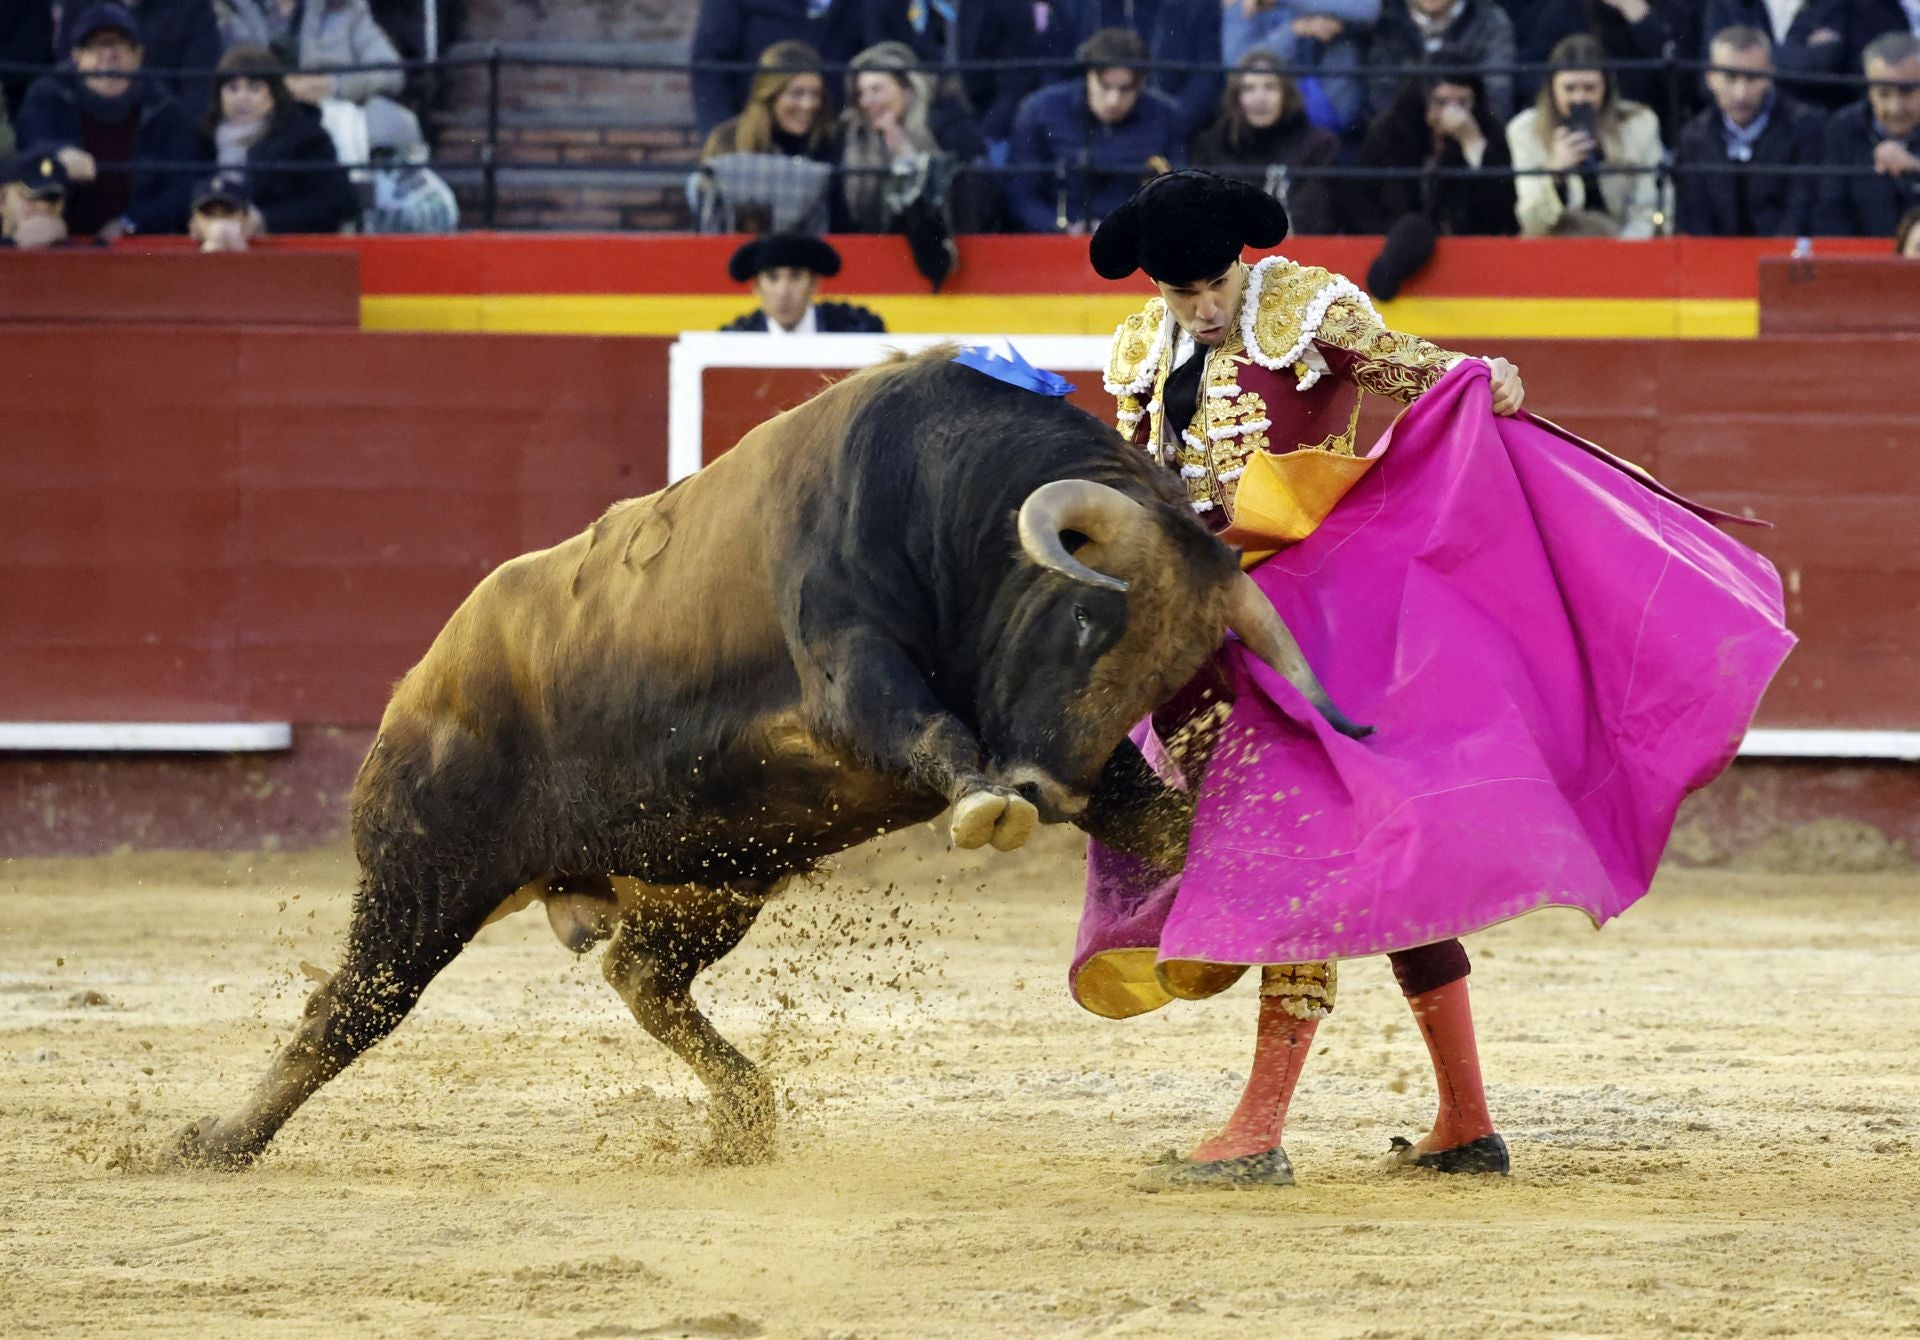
x: 1100, y: 513
x: 1253, y: 618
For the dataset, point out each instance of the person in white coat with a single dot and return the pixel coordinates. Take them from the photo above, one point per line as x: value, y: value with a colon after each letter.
x: 1578, y: 127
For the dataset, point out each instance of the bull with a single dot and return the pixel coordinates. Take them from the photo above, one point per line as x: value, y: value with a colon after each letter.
x: 922, y: 589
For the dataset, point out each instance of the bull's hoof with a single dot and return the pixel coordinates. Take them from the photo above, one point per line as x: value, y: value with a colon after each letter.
x: 999, y: 817
x: 1268, y: 1168
x: 741, y: 1123
x: 200, y: 1146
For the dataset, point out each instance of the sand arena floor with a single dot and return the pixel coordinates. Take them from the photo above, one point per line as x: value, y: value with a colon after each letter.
x: 1714, y: 1107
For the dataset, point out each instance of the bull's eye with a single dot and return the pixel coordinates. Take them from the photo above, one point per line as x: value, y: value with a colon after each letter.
x: 1081, y: 618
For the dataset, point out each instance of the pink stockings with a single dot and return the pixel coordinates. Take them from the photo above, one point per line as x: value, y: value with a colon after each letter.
x: 1434, y: 979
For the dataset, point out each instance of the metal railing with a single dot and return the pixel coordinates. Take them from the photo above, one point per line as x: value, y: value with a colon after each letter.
x: 483, y: 171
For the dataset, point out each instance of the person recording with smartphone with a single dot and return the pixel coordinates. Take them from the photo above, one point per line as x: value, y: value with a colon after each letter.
x: 1571, y: 148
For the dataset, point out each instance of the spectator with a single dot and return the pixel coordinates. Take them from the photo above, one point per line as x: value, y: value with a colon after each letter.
x: 770, y: 168
x: 1411, y: 31
x: 785, y: 112
x: 106, y: 124
x: 1626, y: 30
x: 738, y: 31
x: 253, y: 126
x: 313, y: 36
x: 1750, y: 125
x: 1577, y: 125
x: 223, y: 216
x: 33, y: 203
x: 1906, y: 238
x: 407, y: 195
x: 1438, y: 122
x: 178, y: 35
x: 1188, y: 33
x: 1818, y: 37
x: 785, y: 270
x: 1089, y: 142
x: 944, y: 33
x: 1263, y: 137
x: 26, y: 38
x: 1881, y: 133
x: 904, y: 148
x: 1325, y: 36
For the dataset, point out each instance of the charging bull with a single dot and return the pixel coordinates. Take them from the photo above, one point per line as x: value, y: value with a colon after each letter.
x: 921, y: 589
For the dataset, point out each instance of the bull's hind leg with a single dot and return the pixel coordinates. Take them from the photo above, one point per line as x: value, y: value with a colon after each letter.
x: 393, y: 950
x: 652, y: 962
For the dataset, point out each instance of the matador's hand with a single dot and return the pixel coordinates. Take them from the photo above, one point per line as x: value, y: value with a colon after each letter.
x: 1507, y: 390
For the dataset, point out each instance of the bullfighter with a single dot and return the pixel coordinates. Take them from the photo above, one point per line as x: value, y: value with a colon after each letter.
x: 1554, y: 651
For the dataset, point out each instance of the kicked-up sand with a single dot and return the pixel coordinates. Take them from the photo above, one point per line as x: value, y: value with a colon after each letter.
x: 1714, y: 1109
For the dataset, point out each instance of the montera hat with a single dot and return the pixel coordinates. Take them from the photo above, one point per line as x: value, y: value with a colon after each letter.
x: 1185, y: 226
x: 777, y: 250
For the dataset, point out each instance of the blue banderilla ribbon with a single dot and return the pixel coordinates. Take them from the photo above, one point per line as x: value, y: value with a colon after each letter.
x: 1013, y: 370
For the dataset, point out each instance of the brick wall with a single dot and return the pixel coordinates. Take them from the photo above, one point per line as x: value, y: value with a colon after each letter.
x: 579, y: 148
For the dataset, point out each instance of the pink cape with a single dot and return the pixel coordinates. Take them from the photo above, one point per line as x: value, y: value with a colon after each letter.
x: 1553, y: 651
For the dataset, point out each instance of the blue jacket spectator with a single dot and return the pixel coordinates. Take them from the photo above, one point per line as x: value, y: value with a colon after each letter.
x: 106, y: 121
x: 177, y: 35
x: 943, y: 32
x: 1189, y: 30
x: 26, y: 38
x: 1326, y: 38
x: 1091, y: 141
x: 739, y: 30
x: 1824, y: 37
x: 1410, y: 31
x: 1750, y: 124
x: 1880, y: 136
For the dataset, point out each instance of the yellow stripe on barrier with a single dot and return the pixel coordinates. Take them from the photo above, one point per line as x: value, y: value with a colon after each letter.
x: 1439, y: 319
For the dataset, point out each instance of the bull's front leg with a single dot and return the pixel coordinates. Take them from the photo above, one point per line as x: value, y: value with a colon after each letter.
x: 868, y: 695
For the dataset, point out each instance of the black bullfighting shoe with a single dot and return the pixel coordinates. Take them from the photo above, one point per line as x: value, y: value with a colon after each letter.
x: 1488, y: 1154
x: 1173, y: 1173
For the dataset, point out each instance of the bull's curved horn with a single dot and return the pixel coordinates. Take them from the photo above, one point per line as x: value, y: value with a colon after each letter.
x: 1100, y: 513
x: 1254, y: 620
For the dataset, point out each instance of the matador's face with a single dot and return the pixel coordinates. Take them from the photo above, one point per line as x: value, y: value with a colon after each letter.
x: 1207, y: 308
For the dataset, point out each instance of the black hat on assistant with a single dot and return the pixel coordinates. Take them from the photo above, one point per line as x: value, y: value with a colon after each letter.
x: 783, y: 250
x: 1185, y: 226
x: 43, y: 174
x: 226, y: 188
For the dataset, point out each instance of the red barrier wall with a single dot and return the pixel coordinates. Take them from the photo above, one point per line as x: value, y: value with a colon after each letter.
x: 231, y: 521
x: 248, y: 524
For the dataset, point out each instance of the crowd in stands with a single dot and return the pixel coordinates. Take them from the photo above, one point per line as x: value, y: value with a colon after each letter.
x: 1362, y: 115
x: 927, y: 118
x: 223, y: 119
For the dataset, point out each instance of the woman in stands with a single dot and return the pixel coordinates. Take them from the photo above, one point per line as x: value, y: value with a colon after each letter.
x: 905, y: 147
x: 255, y: 126
x: 1577, y: 127
x: 786, y: 111
x: 1438, y: 121
x: 1263, y: 137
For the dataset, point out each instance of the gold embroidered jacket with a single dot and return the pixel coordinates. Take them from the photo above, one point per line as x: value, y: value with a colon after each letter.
x: 1290, y: 374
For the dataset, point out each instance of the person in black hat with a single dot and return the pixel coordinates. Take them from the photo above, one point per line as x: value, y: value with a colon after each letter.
x: 111, y: 127
x: 785, y: 270
x: 1225, y: 364
x: 33, y: 203
x: 224, y: 217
